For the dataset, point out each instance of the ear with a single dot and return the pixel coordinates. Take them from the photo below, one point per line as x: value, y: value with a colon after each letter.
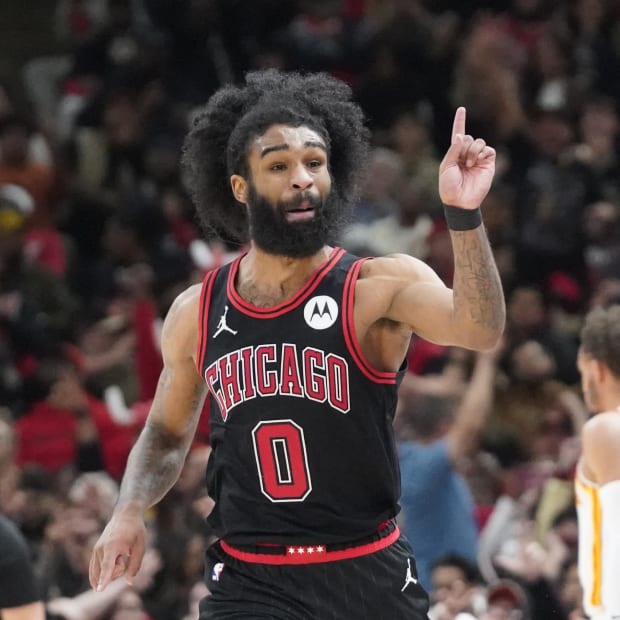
x: 239, y: 188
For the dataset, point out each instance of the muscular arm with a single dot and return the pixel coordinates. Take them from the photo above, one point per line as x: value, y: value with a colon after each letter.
x: 478, y: 297
x: 157, y: 458
x: 405, y: 290
x: 472, y: 315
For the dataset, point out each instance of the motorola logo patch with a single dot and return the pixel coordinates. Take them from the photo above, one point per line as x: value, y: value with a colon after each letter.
x: 321, y: 312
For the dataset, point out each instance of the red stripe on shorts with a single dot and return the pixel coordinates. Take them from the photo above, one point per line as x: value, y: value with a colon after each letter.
x: 311, y: 554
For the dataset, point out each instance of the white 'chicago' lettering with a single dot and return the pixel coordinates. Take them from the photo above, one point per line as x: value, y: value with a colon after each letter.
x: 279, y: 370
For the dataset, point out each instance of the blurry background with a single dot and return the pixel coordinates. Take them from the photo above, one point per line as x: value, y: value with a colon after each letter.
x: 98, y: 235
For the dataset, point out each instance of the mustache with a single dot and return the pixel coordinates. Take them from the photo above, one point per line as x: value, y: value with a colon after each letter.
x: 295, y: 203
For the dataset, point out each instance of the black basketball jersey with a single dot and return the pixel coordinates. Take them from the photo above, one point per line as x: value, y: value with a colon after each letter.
x: 301, y: 424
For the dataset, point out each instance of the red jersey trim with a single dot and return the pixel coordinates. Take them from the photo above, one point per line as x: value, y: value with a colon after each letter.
x: 203, y: 318
x: 348, y: 327
x: 320, y: 553
x: 275, y: 311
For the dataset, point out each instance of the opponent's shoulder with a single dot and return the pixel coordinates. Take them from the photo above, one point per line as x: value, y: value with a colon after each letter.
x: 601, y: 447
x: 603, y: 423
x: 601, y: 433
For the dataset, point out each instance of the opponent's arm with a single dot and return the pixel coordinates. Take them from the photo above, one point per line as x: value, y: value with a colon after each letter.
x: 600, y: 448
x: 157, y: 458
x: 472, y: 314
x: 601, y: 458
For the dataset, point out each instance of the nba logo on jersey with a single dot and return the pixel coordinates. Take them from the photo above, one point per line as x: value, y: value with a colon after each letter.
x: 321, y: 312
x: 217, y: 571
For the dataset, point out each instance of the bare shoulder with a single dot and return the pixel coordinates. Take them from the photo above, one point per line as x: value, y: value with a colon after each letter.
x: 390, y: 282
x: 603, y: 427
x: 397, y: 268
x: 601, y: 446
x: 405, y: 291
x: 180, y: 331
x: 188, y: 299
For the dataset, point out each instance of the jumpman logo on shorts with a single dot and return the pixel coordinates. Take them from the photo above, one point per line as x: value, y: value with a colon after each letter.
x: 222, y: 325
x: 409, y: 578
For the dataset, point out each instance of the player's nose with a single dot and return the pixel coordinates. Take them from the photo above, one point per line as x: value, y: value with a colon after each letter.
x: 301, y: 177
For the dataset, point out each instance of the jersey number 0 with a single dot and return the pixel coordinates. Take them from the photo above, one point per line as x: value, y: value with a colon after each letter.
x: 282, y: 461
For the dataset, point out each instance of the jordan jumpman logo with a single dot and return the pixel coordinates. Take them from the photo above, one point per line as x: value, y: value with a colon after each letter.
x: 409, y: 578
x: 222, y: 326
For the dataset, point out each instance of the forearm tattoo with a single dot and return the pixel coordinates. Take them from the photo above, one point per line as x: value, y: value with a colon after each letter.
x: 156, y: 460
x: 477, y: 286
x: 153, y: 466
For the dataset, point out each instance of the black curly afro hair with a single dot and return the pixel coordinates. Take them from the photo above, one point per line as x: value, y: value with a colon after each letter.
x: 217, y: 144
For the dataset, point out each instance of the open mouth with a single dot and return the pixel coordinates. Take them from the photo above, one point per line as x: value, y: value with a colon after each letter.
x: 303, y: 211
x: 299, y: 214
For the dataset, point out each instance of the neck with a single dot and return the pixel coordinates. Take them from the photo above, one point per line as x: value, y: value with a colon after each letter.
x: 285, y: 264
x: 611, y: 399
x: 275, y: 277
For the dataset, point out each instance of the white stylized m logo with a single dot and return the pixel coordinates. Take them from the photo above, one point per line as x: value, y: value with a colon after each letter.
x: 321, y: 312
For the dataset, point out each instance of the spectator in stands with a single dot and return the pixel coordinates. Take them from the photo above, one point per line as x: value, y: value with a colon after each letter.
x: 17, y: 167
x: 506, y: 600
x: 552, y: 194
x: 66, y: 427
x: 406, y: 229
x: 100, y: 155
x: 436, y: 434
x: 37, y: 309
x: 457, y: 589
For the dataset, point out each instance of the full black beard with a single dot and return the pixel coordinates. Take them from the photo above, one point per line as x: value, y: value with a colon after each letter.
x: 272, y: 233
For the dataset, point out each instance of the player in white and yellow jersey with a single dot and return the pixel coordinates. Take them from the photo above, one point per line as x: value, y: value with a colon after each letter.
x: 597, y: 482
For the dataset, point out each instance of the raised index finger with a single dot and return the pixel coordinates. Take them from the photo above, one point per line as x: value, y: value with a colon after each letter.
x: 459, y: 122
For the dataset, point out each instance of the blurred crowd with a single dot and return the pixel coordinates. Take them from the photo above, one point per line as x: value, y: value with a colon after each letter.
x: 98, y: 236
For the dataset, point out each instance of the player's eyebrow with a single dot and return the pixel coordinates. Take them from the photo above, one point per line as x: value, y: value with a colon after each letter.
x: 286, y: 147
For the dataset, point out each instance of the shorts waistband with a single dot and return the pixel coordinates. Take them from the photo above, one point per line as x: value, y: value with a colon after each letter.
x: 386, y: 534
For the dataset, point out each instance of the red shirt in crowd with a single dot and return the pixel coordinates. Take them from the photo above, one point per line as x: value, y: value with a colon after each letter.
x: 47, y: 437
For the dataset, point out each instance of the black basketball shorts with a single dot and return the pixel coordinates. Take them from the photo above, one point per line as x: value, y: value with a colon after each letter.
x: 374, y: 579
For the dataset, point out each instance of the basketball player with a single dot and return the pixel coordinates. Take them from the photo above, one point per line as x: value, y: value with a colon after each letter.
x: 598, y: 472
x: 301, y: 347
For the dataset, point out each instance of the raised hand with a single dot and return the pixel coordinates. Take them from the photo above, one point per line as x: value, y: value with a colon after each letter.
x: 467, y: 169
